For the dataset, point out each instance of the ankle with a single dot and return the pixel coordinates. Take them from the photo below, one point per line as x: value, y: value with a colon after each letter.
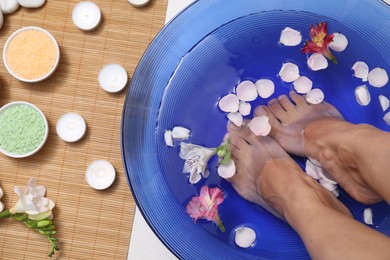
x: 331, y: 141
x: 278, y: 181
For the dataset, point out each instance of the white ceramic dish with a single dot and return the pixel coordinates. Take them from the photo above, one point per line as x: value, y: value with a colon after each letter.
x: 49, y: 73
x: 17, y: 103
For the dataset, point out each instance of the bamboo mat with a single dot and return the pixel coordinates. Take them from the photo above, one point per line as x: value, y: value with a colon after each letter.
x: 91, y: 224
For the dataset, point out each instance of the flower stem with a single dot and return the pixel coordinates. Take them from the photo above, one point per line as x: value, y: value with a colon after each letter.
x: 5, y: 214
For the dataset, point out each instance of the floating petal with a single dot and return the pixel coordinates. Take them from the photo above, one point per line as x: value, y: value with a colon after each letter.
x: 367, y: 215
x: 290, y: 37
x: 260, y: 126
x: 1, y: 206
x: 235, y: 118
x: 246, y: 91
x: 384, y: 101
x: 289, y: 72
x: 303, y: 85
x: 378, y: 77
x: 312, y: 170
x: 315, y: 96
x: 325, y: 176
x: 387, y: 118
x: 328, y: 185
x: 362, y: 95
x: 229, y: 103
x: 1, y: 193
x: 195, y: 177
x: 339, y: 43
x: 227, y: 170
x: 265, y: 87
x: 245, y: 237
x: 244, y: 108
x: 180, y: 132
x: 168, y: 138
x: 315, y: 162
x: 360, y: 69
x: 317, y: 61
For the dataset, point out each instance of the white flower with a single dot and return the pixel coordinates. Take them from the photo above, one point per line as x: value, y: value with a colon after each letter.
x: 33, y: 202
x: 196, y: 158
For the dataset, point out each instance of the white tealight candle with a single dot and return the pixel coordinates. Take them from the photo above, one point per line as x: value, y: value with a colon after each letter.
x: 86, y: 15
x: 113, y: 78
x: 100, y: 174
x: 71, y: 127
x: 139, y: 3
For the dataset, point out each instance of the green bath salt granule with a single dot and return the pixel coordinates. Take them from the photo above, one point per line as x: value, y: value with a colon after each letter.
x: 22, y: 129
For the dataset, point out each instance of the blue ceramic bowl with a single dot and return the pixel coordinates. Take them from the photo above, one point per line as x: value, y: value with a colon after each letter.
x: 199, y: 57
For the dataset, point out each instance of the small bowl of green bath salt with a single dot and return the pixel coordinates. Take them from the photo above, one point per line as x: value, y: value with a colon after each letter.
x: 23, y: 129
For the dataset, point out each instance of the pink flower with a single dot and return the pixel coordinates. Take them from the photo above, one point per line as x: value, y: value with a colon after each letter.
x: 205, y: 206
x: 320, y: 41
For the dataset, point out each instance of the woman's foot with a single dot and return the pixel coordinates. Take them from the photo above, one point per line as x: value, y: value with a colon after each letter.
x: 289, y: 117
x: 266, y: 174
x: 325, y: 130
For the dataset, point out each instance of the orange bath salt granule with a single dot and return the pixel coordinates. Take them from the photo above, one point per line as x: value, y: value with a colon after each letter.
x: 31, y: 54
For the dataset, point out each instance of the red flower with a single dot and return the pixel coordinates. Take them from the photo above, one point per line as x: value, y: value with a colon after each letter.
x: 319, y: 41
x: 205, y: 206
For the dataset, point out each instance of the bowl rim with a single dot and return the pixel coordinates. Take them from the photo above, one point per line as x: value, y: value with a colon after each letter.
x: 14, y: 103
x: 12, y: 36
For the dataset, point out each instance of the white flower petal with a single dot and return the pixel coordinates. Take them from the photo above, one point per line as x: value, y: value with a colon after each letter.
x: 339, y: 43
x: 360, y: 69
x: 362, y: 95
x: 1, y: 193
x: 312, y: 170
x: 1, y: 206
x: 245, y: 237
x: 246, y: 91
x: 195, y: 177
x: 196, y: 159
x: 317, y: 61
x: 387, y: 118
x: 325, y: 176
x: 289, y: 72
x: 315, y: 96
x: 260, y: 126
x: 315, y: 162
x: 235, y: 118
x: 378, y: 77
x: 244, y: 108
x: 265, y: 87
x: 303, y: 85
x: 367, y: 216
x: 168, y: 138
x: 336, y: 193
x: 179, y: 132
x: 227, y: 170
x: 229, y: 103
x: 384, y: 101
x: 290, y: 37
x: 328, y: 185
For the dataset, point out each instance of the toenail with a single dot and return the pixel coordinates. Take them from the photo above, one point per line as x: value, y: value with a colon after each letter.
x: 260, y: 109
x: 272, y: 101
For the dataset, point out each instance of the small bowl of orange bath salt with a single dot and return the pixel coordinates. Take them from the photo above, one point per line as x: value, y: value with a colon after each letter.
x: 31, y: 54
x: 23, y: 129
